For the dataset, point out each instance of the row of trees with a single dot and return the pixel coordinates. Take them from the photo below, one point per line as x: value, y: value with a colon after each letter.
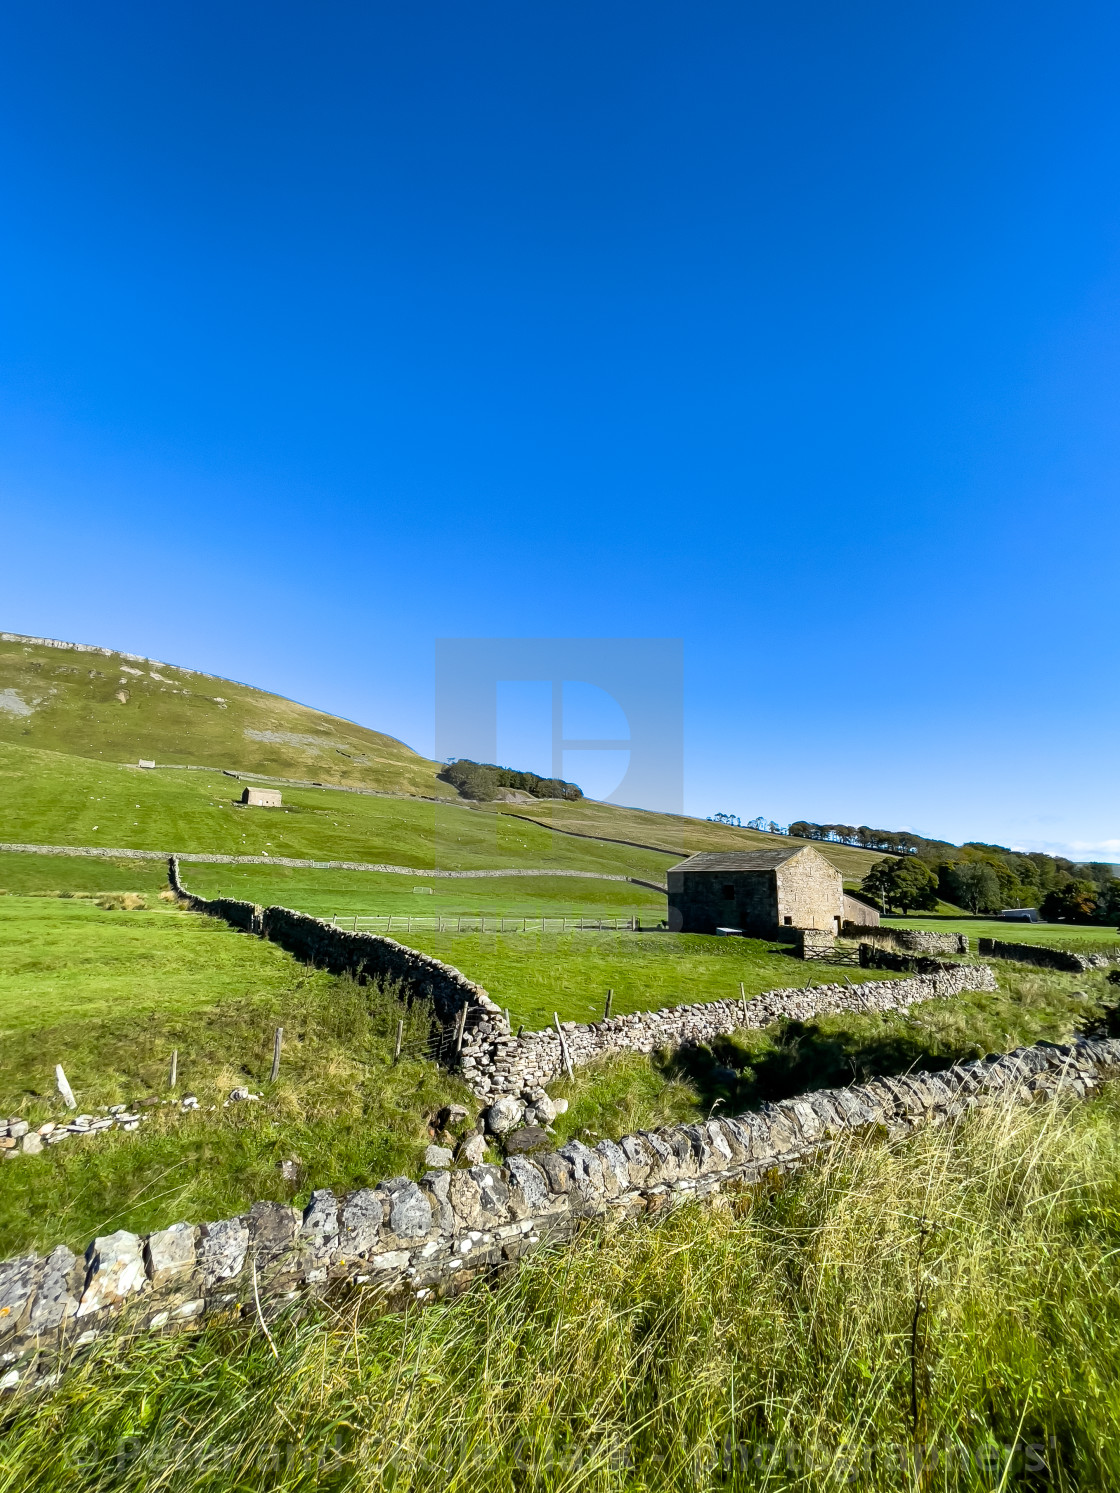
x: 481, y: 780
x: 897, y: 841
x: 985, y: 883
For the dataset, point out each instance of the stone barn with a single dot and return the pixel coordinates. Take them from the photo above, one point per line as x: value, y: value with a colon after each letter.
x: 758, y: 892
x: 262, y: 798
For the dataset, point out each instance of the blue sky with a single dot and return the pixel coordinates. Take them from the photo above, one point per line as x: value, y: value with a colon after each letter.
x: 788, y: 331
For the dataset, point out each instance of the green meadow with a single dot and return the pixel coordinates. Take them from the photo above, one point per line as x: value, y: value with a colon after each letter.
x: 1074, y: 936
x: 536, y: 974
x: 936, y: 1313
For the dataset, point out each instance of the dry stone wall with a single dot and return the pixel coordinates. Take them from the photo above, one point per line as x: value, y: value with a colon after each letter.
x: 414, y: 1240
x: 1045, y: 958
x: 496, y: 1064
x: 472, y: 1030
x: 910, y: 940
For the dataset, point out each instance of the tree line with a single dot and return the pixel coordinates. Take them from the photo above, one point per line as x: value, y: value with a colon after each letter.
x: 987, y: 878
x: 480, y: 781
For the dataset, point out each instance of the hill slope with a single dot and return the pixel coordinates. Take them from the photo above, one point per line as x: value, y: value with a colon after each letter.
x: 92, y: 702
x: 65, y: 707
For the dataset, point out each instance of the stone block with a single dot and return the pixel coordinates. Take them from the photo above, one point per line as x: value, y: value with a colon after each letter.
x: 59, y: 1291
x: 493, y: 1195
x: 410, y: 1212
x: 171, y: 1255
x: 19, y: 1279
x: 116, y: 1271
x: 528, y: 1189
x: 272, y: 1231
x: 224, y: 1245
x: 361, y: 1217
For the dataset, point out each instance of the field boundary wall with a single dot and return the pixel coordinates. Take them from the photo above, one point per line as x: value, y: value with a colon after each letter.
x: 493, y: 1061
x: 411, y: 1241
x: 1045, y: 958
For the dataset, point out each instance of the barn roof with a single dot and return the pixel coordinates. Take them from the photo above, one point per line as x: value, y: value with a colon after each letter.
x: 738, y: 860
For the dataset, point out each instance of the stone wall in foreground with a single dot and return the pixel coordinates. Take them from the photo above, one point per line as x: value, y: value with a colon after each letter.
x: 408, y: 1240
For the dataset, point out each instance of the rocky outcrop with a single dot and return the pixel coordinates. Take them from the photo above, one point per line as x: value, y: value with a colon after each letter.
x: 413, y: 1240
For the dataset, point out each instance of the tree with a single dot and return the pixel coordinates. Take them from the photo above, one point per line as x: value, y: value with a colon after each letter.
x: 904, y: 884
x: 1073, y: 902
x: 1108, y: 903
x: 973, y: 885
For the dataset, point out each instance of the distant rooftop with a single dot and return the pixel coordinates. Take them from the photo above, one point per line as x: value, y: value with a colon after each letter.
x: 738, y: 860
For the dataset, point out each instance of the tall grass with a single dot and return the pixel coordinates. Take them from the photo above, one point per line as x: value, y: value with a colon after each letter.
x: 896, y: 1318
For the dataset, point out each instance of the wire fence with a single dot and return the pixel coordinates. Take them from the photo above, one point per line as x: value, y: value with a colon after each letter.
x: 401, y: 922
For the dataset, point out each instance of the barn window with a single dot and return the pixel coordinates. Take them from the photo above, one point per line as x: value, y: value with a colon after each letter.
x: 729, y: 891
x: 788, y: 922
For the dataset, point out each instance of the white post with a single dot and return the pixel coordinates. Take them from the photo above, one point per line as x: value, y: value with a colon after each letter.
x: 563, y: 1045
x: 64, y: 1087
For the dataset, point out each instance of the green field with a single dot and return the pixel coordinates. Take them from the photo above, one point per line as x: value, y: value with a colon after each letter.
x: 534, y: 974
x: 110, y: 994
x: 957, y: 1292
x: 58, y: 705
x: 1054, y: 935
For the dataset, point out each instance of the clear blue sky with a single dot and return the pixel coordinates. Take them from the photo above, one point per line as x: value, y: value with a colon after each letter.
x: 791, y: 331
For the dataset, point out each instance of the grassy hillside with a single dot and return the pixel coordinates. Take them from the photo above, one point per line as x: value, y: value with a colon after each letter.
x: 100, y: 704
x: 53, y: 799
x: 95, y: 705
x: 939, y: 1313
x: 679, y: 833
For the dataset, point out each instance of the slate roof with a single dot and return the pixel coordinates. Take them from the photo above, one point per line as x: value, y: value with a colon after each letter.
x: 738, y: 860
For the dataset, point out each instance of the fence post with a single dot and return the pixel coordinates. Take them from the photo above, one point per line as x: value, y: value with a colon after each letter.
x: 277, y: 1043
x: 173, y: 1077
x: 64, y: 1087
x: 743, y: 998
x: 563, y: 1045
x: 460, y: 1027
x: 607, y: 1007
x: 397, y: 1047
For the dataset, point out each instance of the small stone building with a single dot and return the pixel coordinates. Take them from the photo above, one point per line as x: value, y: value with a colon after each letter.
x: 758, y: 892
x: 858, y: 913
x: 263, y: 798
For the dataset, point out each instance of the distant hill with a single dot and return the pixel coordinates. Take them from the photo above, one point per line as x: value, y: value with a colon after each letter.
x: 110, y: 707
x: 117, y: 707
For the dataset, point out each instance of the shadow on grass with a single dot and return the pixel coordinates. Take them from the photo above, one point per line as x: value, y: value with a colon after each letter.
x: 734, y: 1073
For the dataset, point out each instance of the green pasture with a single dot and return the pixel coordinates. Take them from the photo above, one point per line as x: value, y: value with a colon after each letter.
x: 534, y: 974
x: 949, y: 1302
x: 1055, y: 935
x: 51, y: 799
x: 111, y: 994
x: 368, y: 893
